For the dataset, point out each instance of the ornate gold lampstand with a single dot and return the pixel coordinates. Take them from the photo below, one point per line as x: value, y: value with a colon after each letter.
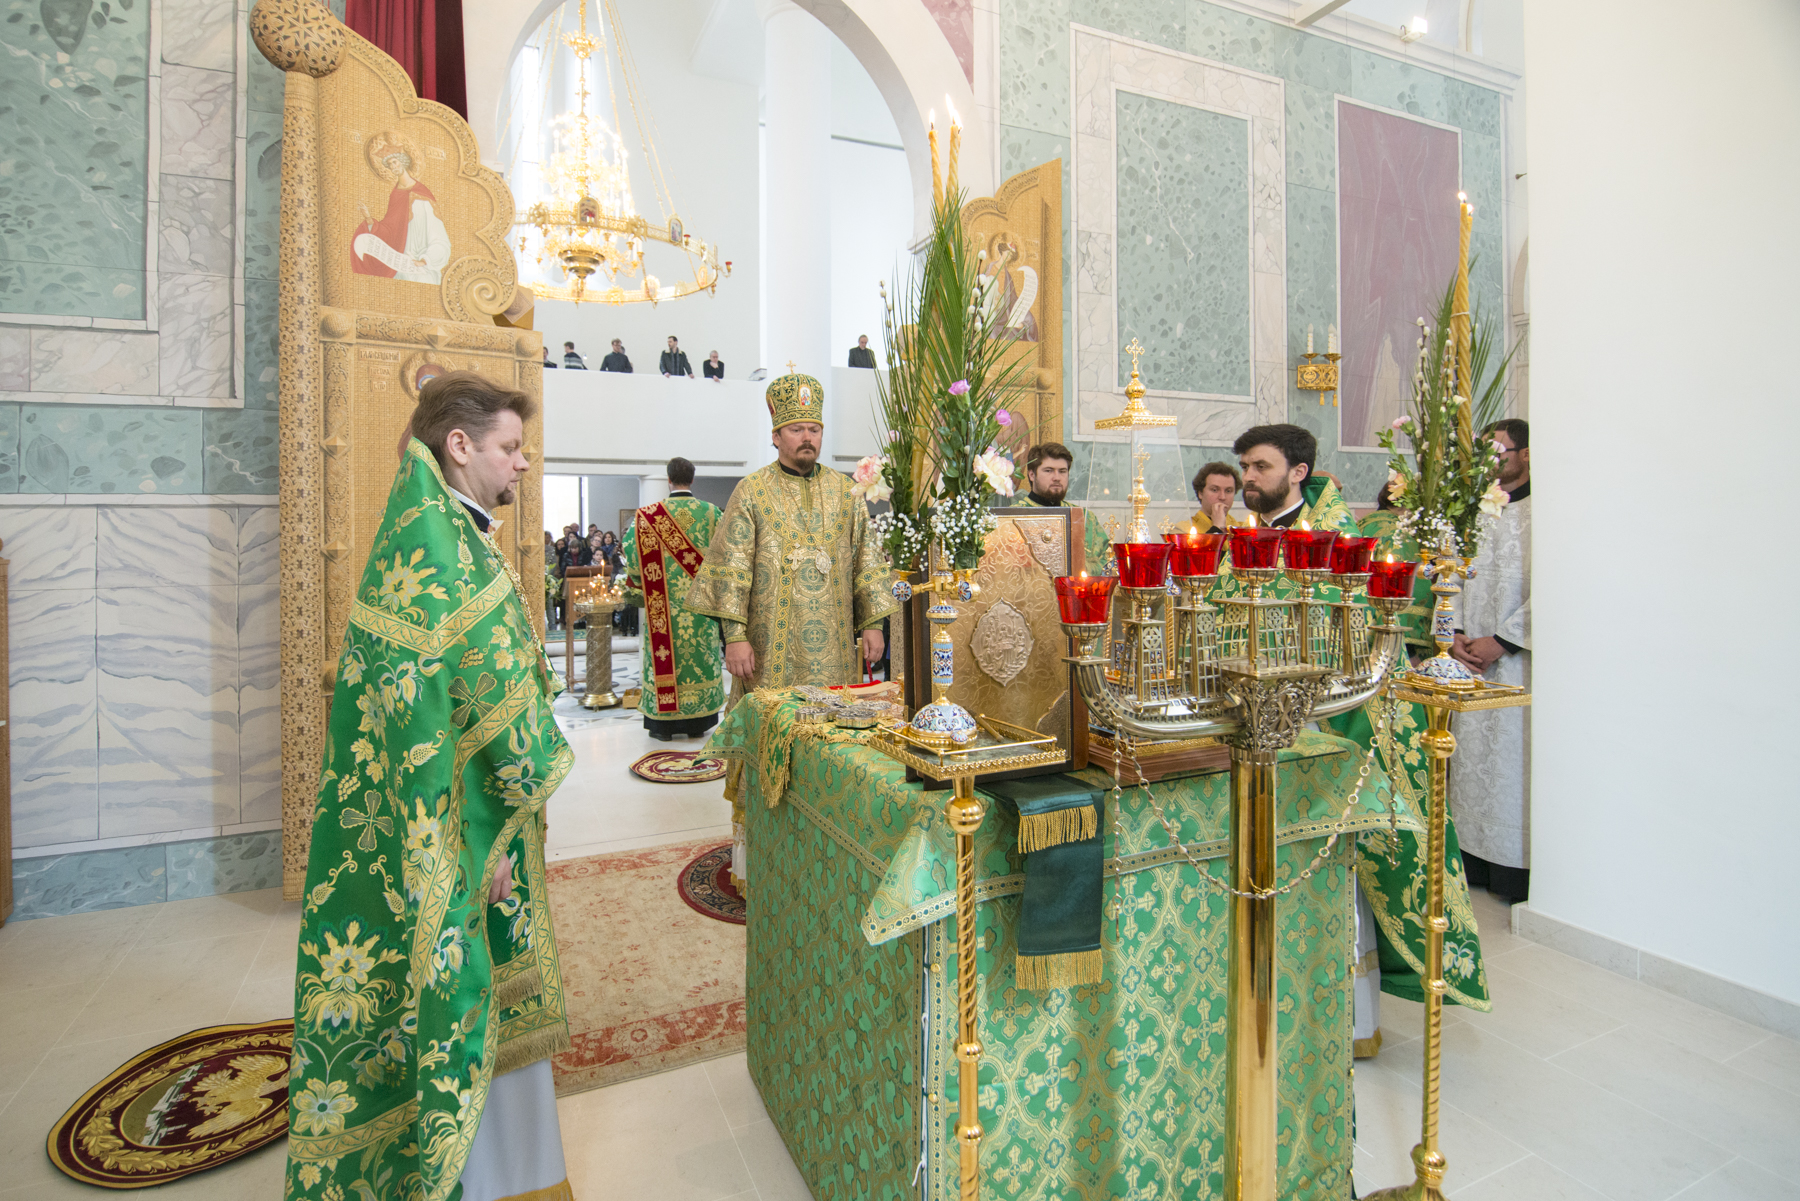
x: 1443, y: 692
x: 597, y: 606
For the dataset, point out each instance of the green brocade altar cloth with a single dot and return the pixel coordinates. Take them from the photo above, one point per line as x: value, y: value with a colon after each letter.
x: 1109, y: 1090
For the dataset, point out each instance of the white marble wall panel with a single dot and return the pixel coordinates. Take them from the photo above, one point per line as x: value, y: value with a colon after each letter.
x: 15, y: 359
x: 168, y: 691
x: 259, y: 701
x: 196, y: 335
x: 1103, y: 65
x: 200, y: 33
x: 94, y: 361
x: 197, y: 111
x: 146, y: 547
x: 259, y: 548
x: 196, y: 217
x: 54, y: 727
x: 47, y: 546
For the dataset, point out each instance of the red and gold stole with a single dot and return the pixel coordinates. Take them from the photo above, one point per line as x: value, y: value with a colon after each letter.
x: 658, y: 536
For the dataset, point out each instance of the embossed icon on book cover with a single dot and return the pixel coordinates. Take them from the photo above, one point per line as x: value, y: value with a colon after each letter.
x: 408, y: 242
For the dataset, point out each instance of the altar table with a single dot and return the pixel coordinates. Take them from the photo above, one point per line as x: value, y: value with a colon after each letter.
x: 1114, y: 1089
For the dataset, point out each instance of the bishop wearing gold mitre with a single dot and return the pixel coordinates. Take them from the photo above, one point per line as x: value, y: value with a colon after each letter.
x: 796, y: 580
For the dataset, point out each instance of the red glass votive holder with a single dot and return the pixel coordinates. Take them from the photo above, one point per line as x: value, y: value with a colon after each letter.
x: 1308, y: 550
x: 1083, y: 600
x: 1350, y: 556
x: 1142, y: 564
x: 1195, y: 554
x: 1254, y: 547
x: 1392, y: 580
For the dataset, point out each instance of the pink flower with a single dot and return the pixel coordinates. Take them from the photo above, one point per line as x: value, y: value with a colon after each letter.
x: 1004, y: 418
x: 868, y: 470
x: 893, y: 435
x: 1399, y: 423
x: 866, y: 479
x: 960, y: 388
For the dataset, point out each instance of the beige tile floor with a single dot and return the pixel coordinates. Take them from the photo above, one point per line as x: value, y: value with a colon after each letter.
x: 1580, y: 1086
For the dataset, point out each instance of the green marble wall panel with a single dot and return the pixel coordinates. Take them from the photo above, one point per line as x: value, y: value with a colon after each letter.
x: 1376, y: 79
x: 262, y: 344
x: 241, y: 452
x: 9, y: 448
x: 1311, y: 268
x: 103, y: 449
x: 74, y: 136
x: 1034, y: 64
x: 1311, y: 116
x: 262, y: 197
x: 1160, y: 22
x: 1183, y: 245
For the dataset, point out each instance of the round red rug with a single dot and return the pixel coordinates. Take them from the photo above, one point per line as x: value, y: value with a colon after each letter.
x: 181, y: 1107
x: 678, y: 767
x: 705, y: 884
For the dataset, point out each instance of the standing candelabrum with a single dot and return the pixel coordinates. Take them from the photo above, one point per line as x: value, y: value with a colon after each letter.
x: 1251, y: 670
x: 945, y: 741
x: 1445, y: 687
x: 595, y: 601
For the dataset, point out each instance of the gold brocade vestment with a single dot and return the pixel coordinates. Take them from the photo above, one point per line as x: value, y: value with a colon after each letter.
x: 793, y: 568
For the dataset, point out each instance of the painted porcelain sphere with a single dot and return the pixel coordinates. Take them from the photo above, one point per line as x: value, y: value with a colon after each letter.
x: 945, y: 719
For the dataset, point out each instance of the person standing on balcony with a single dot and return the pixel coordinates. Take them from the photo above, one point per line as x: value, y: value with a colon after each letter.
x: 571, y: 360
x: 675, y: 360
x: 860, y: 354
x: 713, y: 367
x: 616, y: 361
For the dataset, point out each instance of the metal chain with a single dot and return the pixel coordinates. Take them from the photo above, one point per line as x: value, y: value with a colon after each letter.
x: 1256, y: 894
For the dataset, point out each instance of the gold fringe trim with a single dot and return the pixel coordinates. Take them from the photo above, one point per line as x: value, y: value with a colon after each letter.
x: 556, y: 1192
x: 1040, y: 831
x: 1366, y: 1048
x: 528, y: 982
x: 1042, y: 972
x: 529, y: 1048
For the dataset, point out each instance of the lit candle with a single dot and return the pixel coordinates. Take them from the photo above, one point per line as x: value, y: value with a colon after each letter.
x: 1142, y: 564
x: 1391, y: 580
x: 1083, y: 600
x: 1254, y: 546
x: 1350, y: 556
x: 955, y: 148
x: 1308, y: 549
x: 937, y: 179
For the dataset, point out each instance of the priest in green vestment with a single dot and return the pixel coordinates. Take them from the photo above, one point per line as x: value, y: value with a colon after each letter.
x: 683, y: 659
x: 794, y: 576
x: 1047, y: 478
x: 428, y: 998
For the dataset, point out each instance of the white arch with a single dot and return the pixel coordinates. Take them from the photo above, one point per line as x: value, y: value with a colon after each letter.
x: 897, y: 42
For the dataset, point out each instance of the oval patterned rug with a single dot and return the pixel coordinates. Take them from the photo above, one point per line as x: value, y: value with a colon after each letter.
x: 678, y: 767
x: 181, y: 1107
x: 705, y: 884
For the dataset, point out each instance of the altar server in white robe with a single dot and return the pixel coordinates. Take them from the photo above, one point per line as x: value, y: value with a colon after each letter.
x: 1490, y: 788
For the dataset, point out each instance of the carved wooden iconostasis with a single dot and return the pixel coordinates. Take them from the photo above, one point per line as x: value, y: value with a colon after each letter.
x: 1020, y: 227
x: 394, y: 268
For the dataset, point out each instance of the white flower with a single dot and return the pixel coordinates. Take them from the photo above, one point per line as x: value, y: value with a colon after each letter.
x: 1494, y: 499
x: 998, y: 470
x: 1462, y: 400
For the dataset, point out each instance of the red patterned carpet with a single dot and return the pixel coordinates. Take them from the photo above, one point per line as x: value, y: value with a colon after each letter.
x: 651, y: 983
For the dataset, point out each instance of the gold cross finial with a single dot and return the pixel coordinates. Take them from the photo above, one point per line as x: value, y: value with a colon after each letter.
x: 1136, y: 351
x: 791, y: 367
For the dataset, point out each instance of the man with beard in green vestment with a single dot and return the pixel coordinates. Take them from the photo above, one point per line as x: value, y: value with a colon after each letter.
x: 1047, y: 481
x: 428, y: 998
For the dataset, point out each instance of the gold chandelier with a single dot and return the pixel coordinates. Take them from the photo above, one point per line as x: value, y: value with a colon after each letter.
x: 586, y: 224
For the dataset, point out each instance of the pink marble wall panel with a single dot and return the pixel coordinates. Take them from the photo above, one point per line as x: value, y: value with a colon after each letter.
x: 1397, y: 184
x: 957, y: 19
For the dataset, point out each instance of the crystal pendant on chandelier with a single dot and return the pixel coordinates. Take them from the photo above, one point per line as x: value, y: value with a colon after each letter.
x: 586, y: 224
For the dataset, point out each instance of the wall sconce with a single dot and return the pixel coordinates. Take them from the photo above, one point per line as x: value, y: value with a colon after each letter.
x: 1316, y: 376
x: 1415, y: 31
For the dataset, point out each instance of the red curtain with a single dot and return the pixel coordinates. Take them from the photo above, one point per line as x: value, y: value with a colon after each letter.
x: 423, y: 36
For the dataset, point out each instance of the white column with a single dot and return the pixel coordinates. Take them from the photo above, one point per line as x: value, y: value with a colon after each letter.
x: 796, y: 262
x: 651, y: 488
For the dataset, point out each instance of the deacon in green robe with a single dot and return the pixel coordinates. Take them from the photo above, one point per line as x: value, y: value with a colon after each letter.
x: 1047, y: 481
x: 683, y: 658
x: 428, y: 997
x: 794, y: 575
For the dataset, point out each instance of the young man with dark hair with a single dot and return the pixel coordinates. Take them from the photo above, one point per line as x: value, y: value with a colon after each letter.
x: 440, y: 756
x: 1047, y: 480
x: 572, y: 360
x: 1279, y: 485
x: 1216, y: 487
x: 674, y: 360
x: 683, y: 659
x: 1487, y: 775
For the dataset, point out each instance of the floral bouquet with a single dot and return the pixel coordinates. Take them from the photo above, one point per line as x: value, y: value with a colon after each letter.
x: 1451, y: 478
x: 943, y: 423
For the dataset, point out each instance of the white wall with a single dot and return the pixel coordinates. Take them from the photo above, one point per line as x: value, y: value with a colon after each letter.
x: 871, y: 206
x: 1664, y: 244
